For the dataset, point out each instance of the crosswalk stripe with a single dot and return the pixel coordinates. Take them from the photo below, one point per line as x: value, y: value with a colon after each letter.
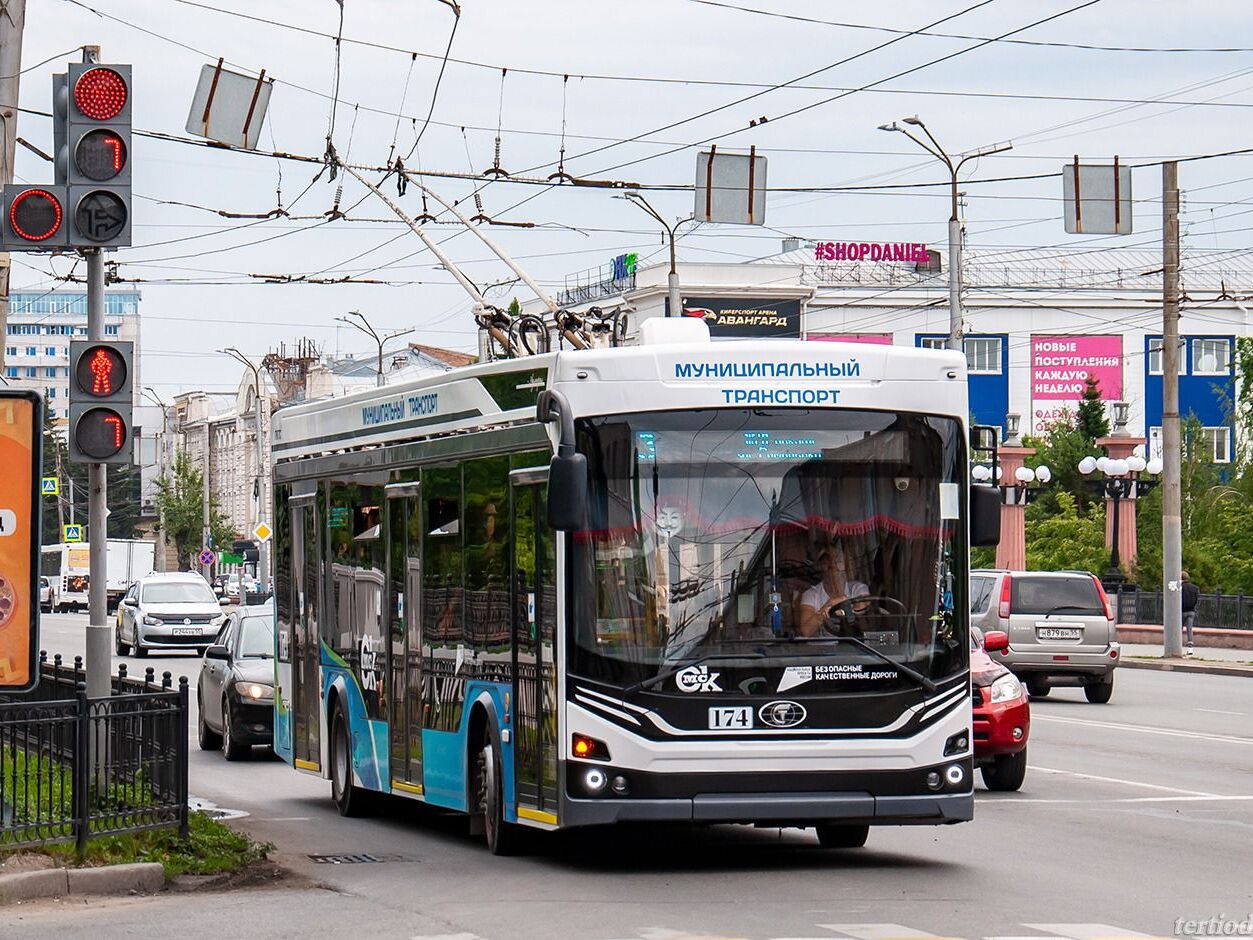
x: 882, y: 932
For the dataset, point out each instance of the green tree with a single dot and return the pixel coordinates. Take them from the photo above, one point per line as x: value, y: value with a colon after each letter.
x: 1091, y: 421
x: 180, y: 497
x: 1060, y: 448
x: 1066, y: 538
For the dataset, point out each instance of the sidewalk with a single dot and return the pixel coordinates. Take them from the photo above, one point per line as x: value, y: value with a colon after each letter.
x: 1212, y: 660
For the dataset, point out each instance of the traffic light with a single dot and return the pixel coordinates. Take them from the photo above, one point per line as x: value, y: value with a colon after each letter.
x: 101, y: 401
x: 92, y: 108
x: 34, y: 218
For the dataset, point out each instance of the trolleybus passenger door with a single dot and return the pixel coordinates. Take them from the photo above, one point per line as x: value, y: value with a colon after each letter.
x: 534, y: 606
x: 404, y: 604
x: 306, y: 653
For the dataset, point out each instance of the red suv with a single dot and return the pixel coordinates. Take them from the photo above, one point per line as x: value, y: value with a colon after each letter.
x: 1002, y: 718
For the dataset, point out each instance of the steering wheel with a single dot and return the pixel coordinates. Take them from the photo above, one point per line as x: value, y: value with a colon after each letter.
x: 841, y: 618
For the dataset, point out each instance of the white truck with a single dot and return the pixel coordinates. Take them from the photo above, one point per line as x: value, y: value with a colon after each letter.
x: 67, y: 566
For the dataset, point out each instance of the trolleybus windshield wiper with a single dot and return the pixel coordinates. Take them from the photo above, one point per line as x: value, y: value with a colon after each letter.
x: 663, y: 676
x: 907, y: 671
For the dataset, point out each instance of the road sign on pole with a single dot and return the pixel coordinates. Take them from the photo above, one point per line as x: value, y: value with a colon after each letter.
x: 262, y: 532
x: 49, y: 486
x: 207, y: 557
x: 71, y: 533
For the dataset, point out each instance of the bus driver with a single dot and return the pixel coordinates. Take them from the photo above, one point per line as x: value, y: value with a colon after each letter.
x: 834, y: 588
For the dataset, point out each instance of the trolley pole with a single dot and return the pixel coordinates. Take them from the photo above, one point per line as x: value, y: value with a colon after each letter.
x: 99, y: 661
x: 1172, y: 508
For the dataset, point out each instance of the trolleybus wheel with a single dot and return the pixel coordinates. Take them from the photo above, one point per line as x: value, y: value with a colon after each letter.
x: 833, y: 836
x: 350, y: 798
x: 502, y: 838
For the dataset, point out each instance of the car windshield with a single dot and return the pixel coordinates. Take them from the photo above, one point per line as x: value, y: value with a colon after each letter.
x: 1075, y: 596
x: 256, y: 638
x: 178, y: 592
x: 754, y: 533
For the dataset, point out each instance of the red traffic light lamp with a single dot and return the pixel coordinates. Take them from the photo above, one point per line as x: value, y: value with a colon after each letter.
x: 100, y: 93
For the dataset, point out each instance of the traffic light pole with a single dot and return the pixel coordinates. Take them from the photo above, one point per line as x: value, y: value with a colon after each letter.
x: 99, y: 655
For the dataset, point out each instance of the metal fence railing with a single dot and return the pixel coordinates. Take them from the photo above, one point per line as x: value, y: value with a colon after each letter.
x: 72, y: 767
x: 1224, y: 611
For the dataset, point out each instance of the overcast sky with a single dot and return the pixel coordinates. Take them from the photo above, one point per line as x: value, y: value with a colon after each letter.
x: 704, y: 48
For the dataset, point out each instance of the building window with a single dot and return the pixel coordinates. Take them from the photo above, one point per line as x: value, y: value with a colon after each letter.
x: 1155, y: 443
x: 1155, y: 356
x: 50, y: 372
x: 10, y: 350
x: 11, y: 372
x: 52, y: 393
x: 111, y: 330
x: 31, y: 372
x: 934, y: 342
x: 1211, y: 357
x: 32, y: 351
x: 1216, y: 444
x: 50, y: 350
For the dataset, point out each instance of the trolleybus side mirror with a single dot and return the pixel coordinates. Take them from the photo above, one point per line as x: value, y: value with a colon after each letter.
x: 567, y: 492
x: 985, y: 515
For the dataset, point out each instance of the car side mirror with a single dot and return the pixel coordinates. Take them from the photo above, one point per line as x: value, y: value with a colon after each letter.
x: 130, y: 602
x: 217, y: 651
x: 224, y: 601
x: 995, y: 641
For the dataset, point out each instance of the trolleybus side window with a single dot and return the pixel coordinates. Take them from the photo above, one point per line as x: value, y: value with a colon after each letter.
x: 442, y: 594
x: 357, y: 564
x: 486, y: 552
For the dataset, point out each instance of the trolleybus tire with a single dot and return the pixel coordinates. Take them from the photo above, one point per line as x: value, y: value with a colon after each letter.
x: 502, y: 838
x: 836, y: 836
x: 349, y: 798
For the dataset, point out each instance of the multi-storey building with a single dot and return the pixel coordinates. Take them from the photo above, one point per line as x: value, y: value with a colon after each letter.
x: 38, y: 333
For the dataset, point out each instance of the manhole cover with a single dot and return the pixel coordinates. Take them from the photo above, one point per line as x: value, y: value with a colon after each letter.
x: 355, y: 858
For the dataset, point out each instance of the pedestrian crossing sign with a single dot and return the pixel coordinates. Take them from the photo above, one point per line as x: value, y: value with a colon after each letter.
x: 71, y: 533
x: 49, y: 487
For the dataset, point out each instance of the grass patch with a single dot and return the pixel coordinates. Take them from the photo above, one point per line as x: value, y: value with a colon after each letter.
x: 211, y: 848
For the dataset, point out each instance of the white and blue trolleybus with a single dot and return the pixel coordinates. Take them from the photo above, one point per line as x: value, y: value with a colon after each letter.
x: 715, y: 582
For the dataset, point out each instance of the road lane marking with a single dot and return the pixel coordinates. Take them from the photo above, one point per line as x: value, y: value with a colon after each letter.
x: 1119, y: 799
x: 1219, y: 711
x: 1089, y: 931
x: 1146, y: 729
x: 882, y: 932
x: 1125, y: 783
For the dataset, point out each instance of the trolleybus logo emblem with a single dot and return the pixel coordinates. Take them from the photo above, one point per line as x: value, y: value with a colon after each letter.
x: 782, y: 714
x: 697, y: 679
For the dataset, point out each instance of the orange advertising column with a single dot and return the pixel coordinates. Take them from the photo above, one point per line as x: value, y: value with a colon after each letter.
x: 21, y: 440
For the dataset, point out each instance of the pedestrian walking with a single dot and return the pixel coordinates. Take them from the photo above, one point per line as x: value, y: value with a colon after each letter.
x: 1191, y: 595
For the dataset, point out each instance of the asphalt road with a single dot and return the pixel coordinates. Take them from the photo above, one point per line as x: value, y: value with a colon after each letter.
x: 1134, y: 814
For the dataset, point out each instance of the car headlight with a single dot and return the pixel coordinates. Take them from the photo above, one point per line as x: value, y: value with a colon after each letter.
x: 255, y: 691
x: 218, y: 620
x: 1006, y: 688
x: 150, y: 621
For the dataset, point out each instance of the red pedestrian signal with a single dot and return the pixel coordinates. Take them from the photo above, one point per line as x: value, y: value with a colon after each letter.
x: 101, y: 401
x: 100, y: 93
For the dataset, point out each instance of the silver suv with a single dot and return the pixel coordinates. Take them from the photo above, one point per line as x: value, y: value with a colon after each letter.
x: 168, y: 611
x: 1060, y: 625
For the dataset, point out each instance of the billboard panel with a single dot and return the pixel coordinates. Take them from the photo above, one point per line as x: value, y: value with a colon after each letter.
x: 1060, y: 366
x: 21, y: 414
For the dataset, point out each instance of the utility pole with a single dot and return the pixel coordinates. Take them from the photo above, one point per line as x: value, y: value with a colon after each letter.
x: 12, y: 22
x: 1172, y: 452
x: 99, y: 634
x: 205, y: 532
x: 162, y: 562
x: 262, y: 470
x: 672, y: 279
x: 956, y: 340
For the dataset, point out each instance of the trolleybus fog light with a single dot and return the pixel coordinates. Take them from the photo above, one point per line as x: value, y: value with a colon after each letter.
x: 595, y: 780
x: 933, y: 780
x: 955, y: 774
x: 620, y: 785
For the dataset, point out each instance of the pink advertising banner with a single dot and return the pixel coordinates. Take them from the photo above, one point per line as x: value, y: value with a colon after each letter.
x: 1060, y: 366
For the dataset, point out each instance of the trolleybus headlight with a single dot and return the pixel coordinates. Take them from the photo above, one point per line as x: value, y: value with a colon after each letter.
x: 595, y: 780
x: 956, y: 744
x: 955, y: 774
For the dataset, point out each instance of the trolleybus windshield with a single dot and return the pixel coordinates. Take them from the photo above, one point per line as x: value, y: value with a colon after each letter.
x: 767, y: 536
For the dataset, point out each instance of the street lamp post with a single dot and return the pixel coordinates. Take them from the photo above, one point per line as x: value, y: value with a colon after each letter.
x: 161, y: 468
x: 672, y: 279
x: 1120, y: 480
x: 365, y: 327
x: 954, y: 166
x: 263, y: 561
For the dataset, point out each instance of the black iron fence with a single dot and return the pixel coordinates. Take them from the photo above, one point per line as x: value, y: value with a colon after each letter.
x: 73, y: 767
x: 1225, y: 611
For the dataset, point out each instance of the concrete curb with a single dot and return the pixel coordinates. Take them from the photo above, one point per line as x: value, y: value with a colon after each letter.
x: 1203, y: 668
x: 139, y: 878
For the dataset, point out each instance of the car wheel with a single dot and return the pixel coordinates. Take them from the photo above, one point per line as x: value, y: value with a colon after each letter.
x: 209, y: 740
x: 1006, y: 772
x: 1038, y: 688
x: 349, y: 797
x: 138, y: 648
x: 503, y: 838
x: 232, y: 748
x: 118, y: 646
x: 1100, y: 692
x: 834, y: 836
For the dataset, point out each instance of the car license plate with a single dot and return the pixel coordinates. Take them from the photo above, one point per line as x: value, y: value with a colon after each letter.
x: 739, y: 717
x: 187, y: 631
x: 1058, y: 633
